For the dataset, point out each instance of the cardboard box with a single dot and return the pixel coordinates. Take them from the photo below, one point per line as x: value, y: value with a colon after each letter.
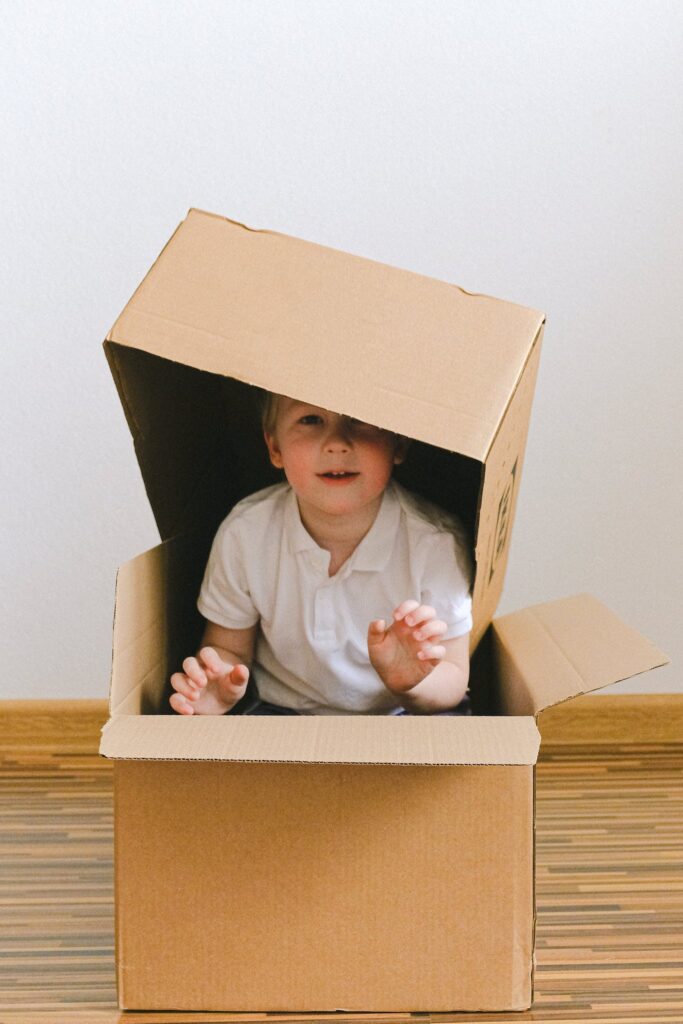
x: 328, y: 863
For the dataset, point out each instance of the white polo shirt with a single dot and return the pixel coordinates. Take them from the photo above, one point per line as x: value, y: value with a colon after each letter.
x: 311, y: 650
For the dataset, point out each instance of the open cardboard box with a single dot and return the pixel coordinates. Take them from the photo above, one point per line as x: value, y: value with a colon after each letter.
x: 369, y: 863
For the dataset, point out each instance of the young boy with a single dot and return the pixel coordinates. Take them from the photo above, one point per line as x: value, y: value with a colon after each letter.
x: 298, y: 572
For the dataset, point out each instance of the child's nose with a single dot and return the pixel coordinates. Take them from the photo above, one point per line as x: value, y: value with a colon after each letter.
x: 338, y: 437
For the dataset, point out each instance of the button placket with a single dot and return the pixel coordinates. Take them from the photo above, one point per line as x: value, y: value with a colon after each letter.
x: 324, y: 625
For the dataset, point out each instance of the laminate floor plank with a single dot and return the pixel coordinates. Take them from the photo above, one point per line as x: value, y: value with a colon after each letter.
x: 609, y: 878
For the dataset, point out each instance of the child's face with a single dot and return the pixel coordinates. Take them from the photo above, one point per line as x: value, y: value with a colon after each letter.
x: 311, y: 444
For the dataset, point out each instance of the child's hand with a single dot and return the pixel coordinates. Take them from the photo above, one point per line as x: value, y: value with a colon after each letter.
x: 208, y: 685
x: 408, y: 650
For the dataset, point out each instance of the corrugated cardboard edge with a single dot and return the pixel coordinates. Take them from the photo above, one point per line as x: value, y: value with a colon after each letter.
x: 349, y: 739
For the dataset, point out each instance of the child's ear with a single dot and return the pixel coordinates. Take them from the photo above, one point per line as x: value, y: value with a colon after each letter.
x: 273, y: 450
x: 401, y: 449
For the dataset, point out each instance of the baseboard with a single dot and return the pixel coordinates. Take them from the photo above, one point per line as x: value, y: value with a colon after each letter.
x: 614, y: 719
x: 73, y: 726
x: 59, y: 726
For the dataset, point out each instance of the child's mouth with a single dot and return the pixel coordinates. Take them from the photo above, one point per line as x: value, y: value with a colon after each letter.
x: 338, y: 478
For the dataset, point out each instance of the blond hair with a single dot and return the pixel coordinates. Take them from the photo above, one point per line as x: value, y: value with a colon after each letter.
x: 270, y: 404
x: 269, y: 408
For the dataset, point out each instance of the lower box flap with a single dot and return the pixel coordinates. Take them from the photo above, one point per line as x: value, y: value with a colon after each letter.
x: 550, y: 652
x: 347, y: 739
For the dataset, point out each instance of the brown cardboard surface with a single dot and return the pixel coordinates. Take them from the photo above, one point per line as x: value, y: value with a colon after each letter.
x: 550, y: 652
x: 347, y: 739
x: 155, y: 620
x: 299, y: 887
x: 278, y: 312
x: 498, y: 501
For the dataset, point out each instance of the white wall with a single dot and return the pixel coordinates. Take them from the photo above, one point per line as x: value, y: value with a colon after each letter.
x: 529, y: 150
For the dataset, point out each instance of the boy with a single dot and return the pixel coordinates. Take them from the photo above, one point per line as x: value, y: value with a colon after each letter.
x: 297, y: 571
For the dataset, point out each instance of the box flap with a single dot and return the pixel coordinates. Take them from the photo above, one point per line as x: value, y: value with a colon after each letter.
x: 155, y: 622
x: 551, y: 652
x: 389, y: 739
x: 279, y: 312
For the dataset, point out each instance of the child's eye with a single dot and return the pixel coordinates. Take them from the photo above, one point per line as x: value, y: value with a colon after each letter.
x: 311, y: 420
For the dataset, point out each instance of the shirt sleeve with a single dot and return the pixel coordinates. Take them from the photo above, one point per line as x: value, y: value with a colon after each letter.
x: 446, y: 583
x: 224, y: 596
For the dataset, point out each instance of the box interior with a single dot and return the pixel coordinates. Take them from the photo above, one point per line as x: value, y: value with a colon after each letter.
x: 200, y: 447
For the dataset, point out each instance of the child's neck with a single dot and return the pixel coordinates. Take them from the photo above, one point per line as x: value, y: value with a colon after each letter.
x: 340, y: 535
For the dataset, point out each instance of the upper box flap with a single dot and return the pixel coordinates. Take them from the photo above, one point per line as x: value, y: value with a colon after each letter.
x: 550, y: 652
x: 387, y: 739
x: 347, y: 333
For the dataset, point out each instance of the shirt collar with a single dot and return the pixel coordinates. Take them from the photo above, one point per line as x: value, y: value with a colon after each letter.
x: 374, y: 550
x: 298, y: 537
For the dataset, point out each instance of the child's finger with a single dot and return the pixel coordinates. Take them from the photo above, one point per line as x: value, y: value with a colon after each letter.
x: 429, y: 653
x: 181, y: 704
x: 194, y: 671
x: 430, y: 629
x: 212, y: 662
x: 419, y: 615
x: 239, y: 675
x: 404, y: 608
x: 184, y: 686
x: 376, y: 631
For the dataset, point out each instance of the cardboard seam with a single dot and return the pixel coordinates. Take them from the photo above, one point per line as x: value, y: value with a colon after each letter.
x: 192, y: 329
x: 439, y: 405
x: 515, y: 389
x: 256, y: 382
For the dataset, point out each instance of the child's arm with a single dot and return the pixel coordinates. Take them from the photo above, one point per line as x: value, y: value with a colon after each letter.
x: 426, y: 673
x: 214, y: 681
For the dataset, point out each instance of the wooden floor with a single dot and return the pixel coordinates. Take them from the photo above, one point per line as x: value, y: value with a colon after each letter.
x: 609, y: 886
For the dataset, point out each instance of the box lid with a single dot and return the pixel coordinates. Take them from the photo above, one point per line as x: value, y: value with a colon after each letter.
x: 333, y: 329
x: 347, y: 739
x: 548, y: 653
